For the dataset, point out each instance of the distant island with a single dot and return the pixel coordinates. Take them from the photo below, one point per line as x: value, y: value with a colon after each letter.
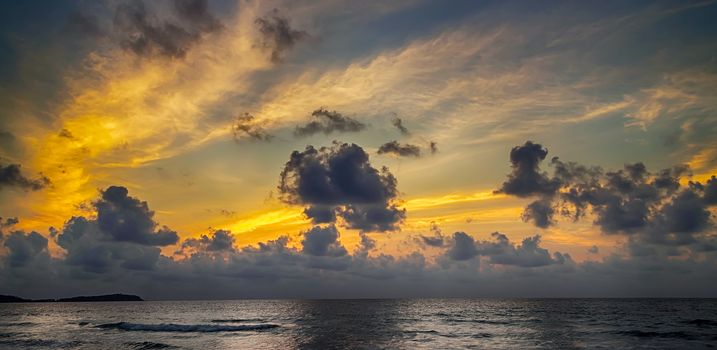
x: 93, y: 298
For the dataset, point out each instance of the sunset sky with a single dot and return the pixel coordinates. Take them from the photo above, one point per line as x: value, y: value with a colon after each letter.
x: 221, y: 149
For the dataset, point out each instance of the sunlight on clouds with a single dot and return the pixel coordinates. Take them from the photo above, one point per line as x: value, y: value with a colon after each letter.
x: 140, y: 111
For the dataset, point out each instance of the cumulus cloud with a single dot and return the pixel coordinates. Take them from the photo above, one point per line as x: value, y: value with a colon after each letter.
x: 218, y: 240
x: 11, y: 176
x: 322, y: 241
x: 327, y: 122
x: 527, y: 254
x: 463, y: 247
x: 128, y: 219
x: 526, y: 179
x: 25, y: 247
x: 141, y: 32
x: 246, y: 125
x: 540, y: 212
x: 320, y: 266
x: 650, y: 208
x: 340, y: 181
x: 277, y: 36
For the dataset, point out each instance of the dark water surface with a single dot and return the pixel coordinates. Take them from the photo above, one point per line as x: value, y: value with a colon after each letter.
x: 363, y: 324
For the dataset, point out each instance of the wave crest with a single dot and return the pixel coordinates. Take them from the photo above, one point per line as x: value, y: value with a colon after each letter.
x: 172, y: 327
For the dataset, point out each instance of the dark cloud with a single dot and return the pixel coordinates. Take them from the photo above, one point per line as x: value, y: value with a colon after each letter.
x: 277, y: 36
x: 9, y: 222
x: 463, y: 247
x: 245, y: 124
x: 197, y: 13
x: 341, y: 179
x: 526, y: 179
x: 25, y: 247
x: 320, y: 267
x: 11, y: 176
x: 328, y: 122
x: 527, y: 254
x: 540, y: 212
x: 437, y: 240
x: 141, y: 32
x: 320, y: 214
x: 403, y: 150
x: 128, y: 219
x: 218, y: 240
x: 593, y: 250
x: 398, y: 123
x: 709, y: 190
x: 651, y: 208
x: 322, y: 241
x: 93, y: 250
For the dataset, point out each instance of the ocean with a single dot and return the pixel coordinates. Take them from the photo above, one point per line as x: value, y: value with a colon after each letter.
x: 364, y: 324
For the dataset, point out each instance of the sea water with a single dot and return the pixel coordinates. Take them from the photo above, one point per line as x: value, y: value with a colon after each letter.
x: 363, y: 324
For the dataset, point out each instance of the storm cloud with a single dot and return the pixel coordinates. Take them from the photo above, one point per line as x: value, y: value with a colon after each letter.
x: 341, y: 180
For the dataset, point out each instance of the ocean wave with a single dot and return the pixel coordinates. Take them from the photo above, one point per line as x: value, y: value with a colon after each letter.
x: 460, y: 320
x: 237, y: 320
x: 702, y: 322
x: 651, y: 334
x: 148, y: 345
x: 16, y: 324
x: 172, y: 327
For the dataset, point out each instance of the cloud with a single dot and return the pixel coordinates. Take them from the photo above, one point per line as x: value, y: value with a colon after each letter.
x: 25, y: 247
x: 650, y: 208
x: 341, y: 180
x: 433, y: 146
x: 128, y: 219
x: 402, y: 150
x: 398, y: 123
x: 526, y: 179
x: 319, y: 266
x: 709, y: 190
x: 140, y: 32
x: 527, y: 254
x: 462, y: 247
x: 218, y: 240
x: 322, y: 241
x: 123, y: 235
x: 593, y: 250
x: 11, y: 176
x: 277, y: 36
x: 245, y: 124
x: 540, y: 212
x: 437, y: 240
x: 328, y: 122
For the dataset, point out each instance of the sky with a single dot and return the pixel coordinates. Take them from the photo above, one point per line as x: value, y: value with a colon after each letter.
x: 208, y: 149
